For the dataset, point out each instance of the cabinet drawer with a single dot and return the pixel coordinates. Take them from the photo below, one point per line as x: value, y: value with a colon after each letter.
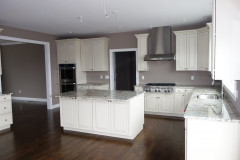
x: 6, y: 107
x: 6, y: 119
x: 180, y: 90
x: 5, y: 98
x: 137, y: 88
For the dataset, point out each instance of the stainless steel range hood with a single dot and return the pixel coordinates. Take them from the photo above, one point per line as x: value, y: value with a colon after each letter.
x: 161, y: 45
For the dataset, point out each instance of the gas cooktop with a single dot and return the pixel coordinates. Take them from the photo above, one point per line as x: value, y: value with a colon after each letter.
x: 159, y: 87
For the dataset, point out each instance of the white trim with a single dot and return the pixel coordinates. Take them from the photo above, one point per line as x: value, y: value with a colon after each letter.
x: 112, y: 65
x: 11, y: 43
x: 47, y: 64
x: 29, y: 99
x: 55, y: 106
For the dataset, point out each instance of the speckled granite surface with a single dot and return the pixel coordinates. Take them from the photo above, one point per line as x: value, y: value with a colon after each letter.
x: 211, y: 109
x: 101, y: 94
x: 4, y: 94
x: 93, y: 84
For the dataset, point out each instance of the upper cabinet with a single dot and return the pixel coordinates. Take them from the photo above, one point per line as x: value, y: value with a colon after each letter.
x: 94, y: 54
x: 186, y: 50
x: 67, y: 50
x: 192, y: 50
x: 203, y: 49
x: 142, y: 41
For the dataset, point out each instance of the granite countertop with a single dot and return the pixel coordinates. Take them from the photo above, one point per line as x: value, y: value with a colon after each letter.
x: 210, y: 109
x: 93, y: 84
x: 101, y: 94
x: 4, y: 94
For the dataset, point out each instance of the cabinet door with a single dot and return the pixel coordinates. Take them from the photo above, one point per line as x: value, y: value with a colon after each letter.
x: 62, y: 50
x: 71, y: 52
x: 181, y: 52
x: 151, y: 101
x: 101, y: 116
x: 120, y: 118
x: 192, y: 52
x: 167, y: 104
x: 98, y: 53
x: 179, y: 103
x: 203, y: 51
x: 142, y: 51
x: 86, y: 55
x: 67, y: 112
x: 84, y: 112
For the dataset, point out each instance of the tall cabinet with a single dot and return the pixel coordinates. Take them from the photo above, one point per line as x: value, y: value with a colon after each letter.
x: 142, y: 45
x: 68, y: 52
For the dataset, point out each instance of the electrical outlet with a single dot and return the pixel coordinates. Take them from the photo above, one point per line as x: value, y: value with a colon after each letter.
x: 19, y: 91
x: 142, y: 77
x: 192, y: 78
x: 106, y: 76
x: 101, y: 77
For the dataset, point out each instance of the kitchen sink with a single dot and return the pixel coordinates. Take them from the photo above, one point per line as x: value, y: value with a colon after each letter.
x: 208, y: 96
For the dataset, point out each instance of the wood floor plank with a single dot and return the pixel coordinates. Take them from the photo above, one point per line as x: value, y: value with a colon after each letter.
x: 37, y: 135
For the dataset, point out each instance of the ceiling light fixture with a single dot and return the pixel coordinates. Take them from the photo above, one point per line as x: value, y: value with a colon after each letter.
x: 80, y: 18
x: 104, y: 9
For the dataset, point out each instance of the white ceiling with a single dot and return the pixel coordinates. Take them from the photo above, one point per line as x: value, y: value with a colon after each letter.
x: 58, y: 17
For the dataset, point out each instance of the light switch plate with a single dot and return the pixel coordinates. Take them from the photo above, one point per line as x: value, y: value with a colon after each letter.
x: 192, y: 78
x: 106, y: 76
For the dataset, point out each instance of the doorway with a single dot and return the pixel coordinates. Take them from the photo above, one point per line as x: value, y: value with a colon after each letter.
x: 47, y: 64
x: 125, y: 70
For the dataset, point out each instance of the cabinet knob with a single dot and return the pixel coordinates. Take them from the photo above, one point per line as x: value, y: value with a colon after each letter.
x: 5, y: 107
x: 6, y: 120
x: 4, y: 98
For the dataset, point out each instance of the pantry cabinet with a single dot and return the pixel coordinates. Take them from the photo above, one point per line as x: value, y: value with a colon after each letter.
x: 142, y: 45
x: 94, y: 54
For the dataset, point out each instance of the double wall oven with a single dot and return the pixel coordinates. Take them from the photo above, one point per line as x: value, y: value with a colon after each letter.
x: 67, y: 74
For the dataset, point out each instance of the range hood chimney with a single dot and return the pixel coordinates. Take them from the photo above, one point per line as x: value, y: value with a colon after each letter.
x: 161, y: 44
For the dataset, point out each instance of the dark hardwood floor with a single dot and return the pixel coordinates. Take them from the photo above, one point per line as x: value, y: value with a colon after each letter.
x: 37, y: 135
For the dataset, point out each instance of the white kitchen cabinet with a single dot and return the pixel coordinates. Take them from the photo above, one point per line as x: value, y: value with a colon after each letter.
x: 94, y: 54
x: 167, y: 104
x: 151, y: 102
x: 0, y: 63
x: 142, y: 45
x: 180, y: 103
x: 84, y: 114
x: 5, y: 112
x: 186, y: 50
x: 67, y: 109
x: 101, y: 116
x: 120, y: 117
x: 68, y: 51
x: 203, y: 49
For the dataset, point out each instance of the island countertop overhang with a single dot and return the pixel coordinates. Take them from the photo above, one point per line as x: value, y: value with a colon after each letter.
x: 101, y: 94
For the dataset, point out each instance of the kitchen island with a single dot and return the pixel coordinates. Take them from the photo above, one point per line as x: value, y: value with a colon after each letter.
x: 212, y: 127
x: 110, y: 113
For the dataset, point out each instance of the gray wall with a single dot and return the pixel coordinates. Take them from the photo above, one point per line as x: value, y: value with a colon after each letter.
x: 161, y: 71
x: 237, y: 101
x: 23, y: 68
x: 20, y: 33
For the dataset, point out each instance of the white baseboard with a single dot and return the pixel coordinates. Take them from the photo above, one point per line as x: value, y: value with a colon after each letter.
x: 55, y: 106
x: 29, y: 99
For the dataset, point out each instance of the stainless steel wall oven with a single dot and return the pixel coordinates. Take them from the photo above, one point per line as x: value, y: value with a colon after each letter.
x: 67, y: 74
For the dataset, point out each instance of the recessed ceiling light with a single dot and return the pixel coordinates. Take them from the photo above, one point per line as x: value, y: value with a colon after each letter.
x: 120, y: 27
x: 80, y: 19
x: 70, y: 32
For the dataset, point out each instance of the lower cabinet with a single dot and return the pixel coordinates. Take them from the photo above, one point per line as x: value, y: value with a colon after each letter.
x: 157, y: 102
x: 116, y: 118
x: 180, y: 103
x: 68, y: 118
x: 101, y: 116
x: 5, y: 111
x: 84, y: 114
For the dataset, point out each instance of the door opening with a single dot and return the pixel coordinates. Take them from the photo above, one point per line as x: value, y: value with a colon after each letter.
x: 125, y: 70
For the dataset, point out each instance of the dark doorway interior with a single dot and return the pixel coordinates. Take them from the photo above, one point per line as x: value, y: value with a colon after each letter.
x: 125, y: 70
